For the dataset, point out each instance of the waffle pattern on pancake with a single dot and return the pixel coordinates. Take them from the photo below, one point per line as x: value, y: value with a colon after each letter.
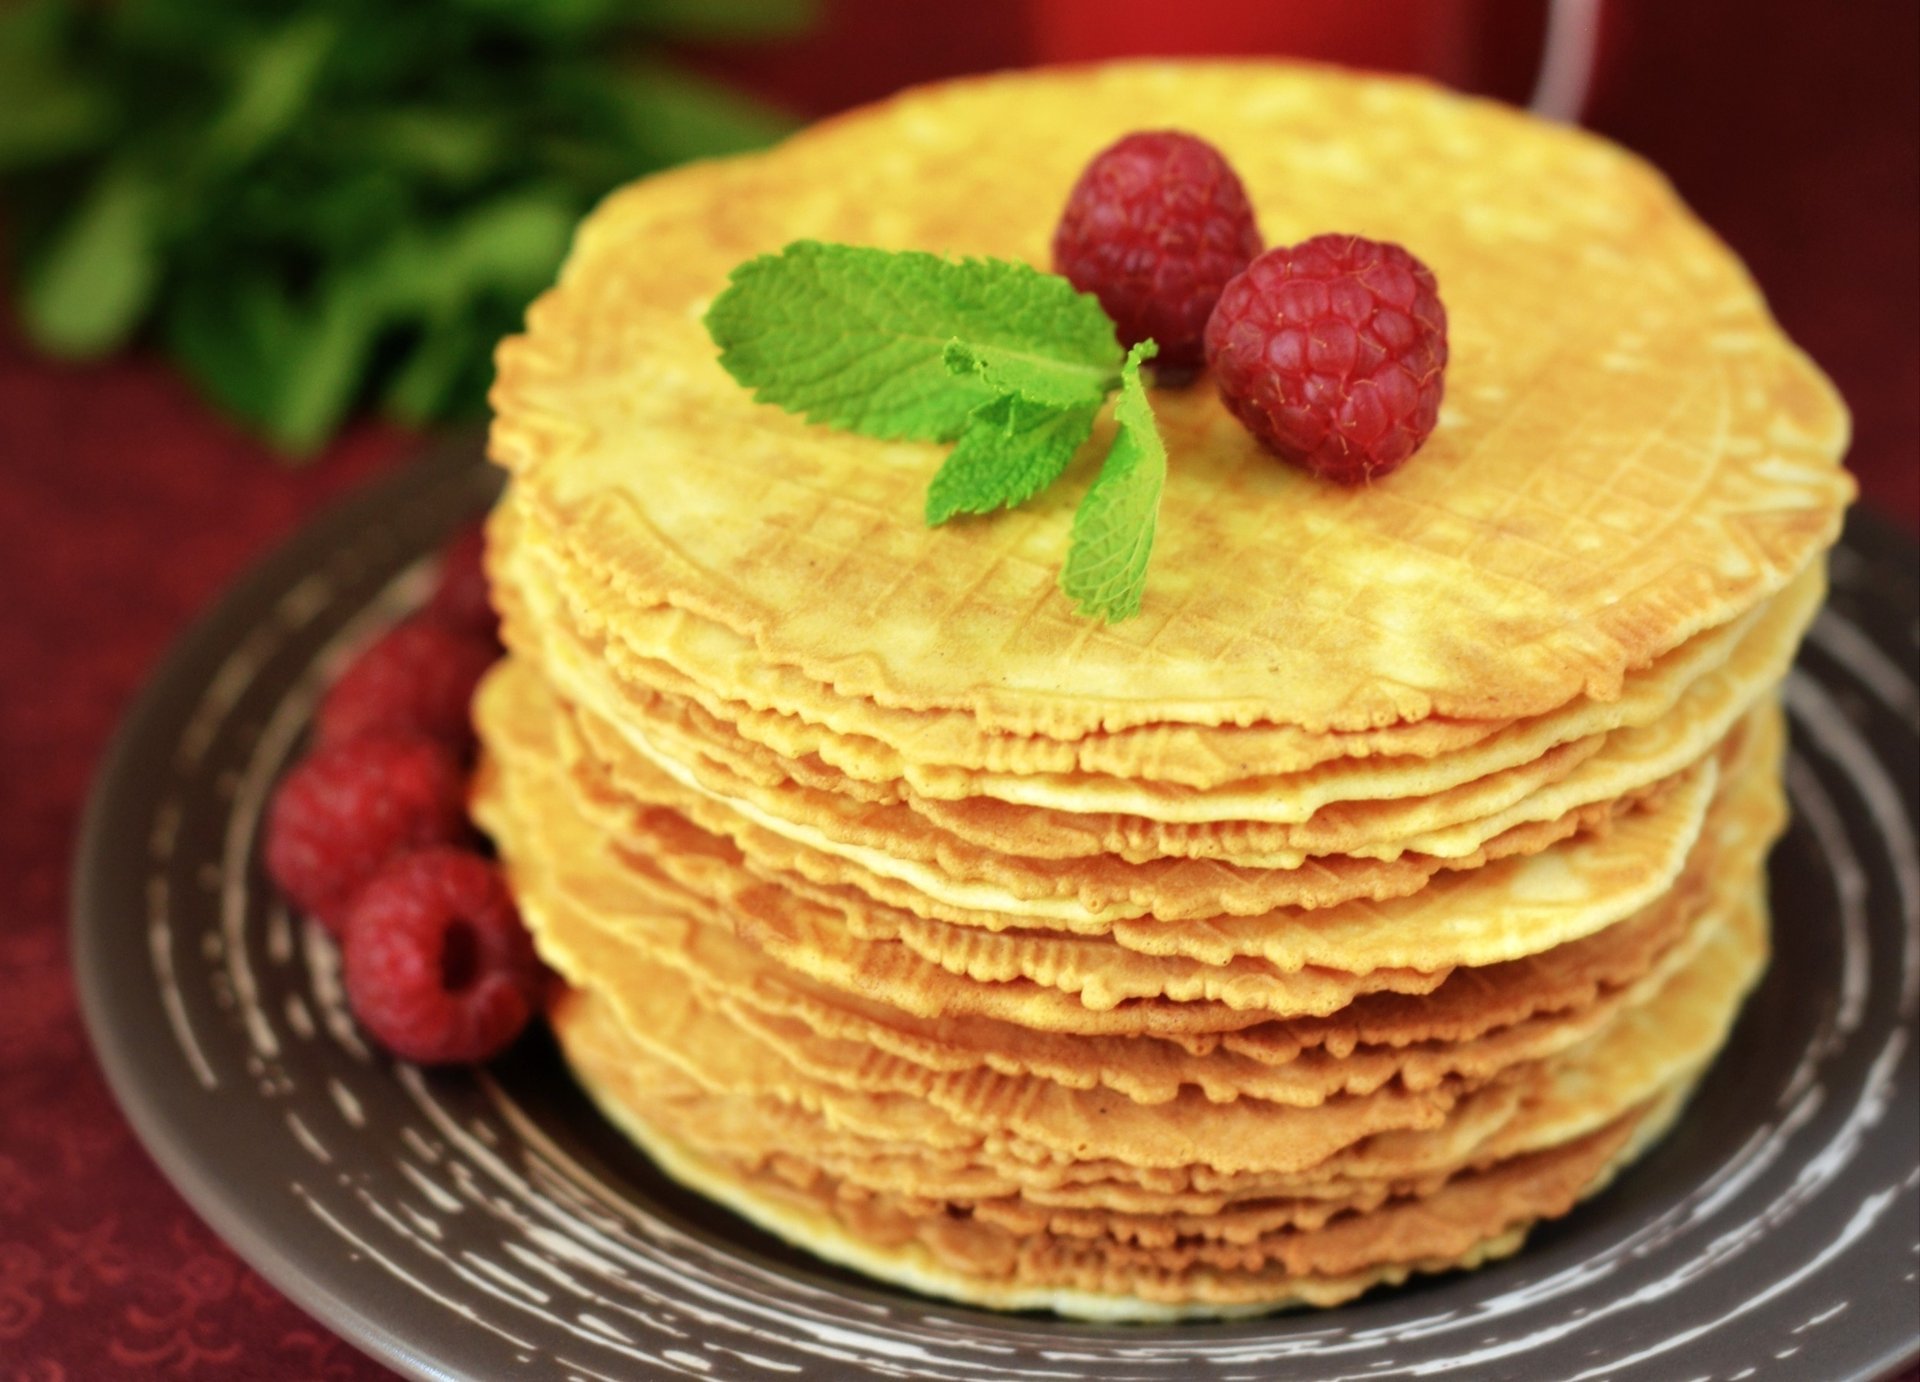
x: 1381, y: 890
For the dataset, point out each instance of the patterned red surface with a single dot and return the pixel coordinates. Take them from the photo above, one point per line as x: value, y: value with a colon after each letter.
x: 125, y: 506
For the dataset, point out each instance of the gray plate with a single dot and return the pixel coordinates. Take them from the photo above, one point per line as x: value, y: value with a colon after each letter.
x: 488, y: 1225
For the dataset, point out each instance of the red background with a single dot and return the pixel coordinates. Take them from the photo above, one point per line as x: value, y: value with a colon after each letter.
x: 126, y: 504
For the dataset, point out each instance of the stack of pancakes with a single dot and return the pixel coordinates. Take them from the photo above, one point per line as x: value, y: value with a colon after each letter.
x: 1377, y: 892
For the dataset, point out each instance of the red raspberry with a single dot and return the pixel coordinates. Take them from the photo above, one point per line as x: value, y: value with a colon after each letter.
x: 438, y: 967
x: 1154, y: 228
x: 460, y: 599
x: 347, y: 808
x: 1333, y: 352
x: 417, y: 679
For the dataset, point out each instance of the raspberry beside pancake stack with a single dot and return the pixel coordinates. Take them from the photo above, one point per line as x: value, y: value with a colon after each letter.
x: 1378, y: 891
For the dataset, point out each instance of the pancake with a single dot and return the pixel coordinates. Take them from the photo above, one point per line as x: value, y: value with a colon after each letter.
x: 974, y: 1259
x: 666, y: 651
x: 1632, y: 452
x: 1369, y: 806
x: 1379, y: 891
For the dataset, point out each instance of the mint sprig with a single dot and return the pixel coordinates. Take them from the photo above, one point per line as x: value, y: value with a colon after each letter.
x: 1011, y: 364
x: 1010, y: 450
x: 314, y: 206
x: 858, y: 338
x: 1113, y: 527
x: 1037, y: 378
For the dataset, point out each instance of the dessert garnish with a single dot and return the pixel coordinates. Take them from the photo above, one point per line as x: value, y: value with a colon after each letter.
x: 1333, y: 353
x: 1154, y: 228
x: 1106, y: 568
x: 349, y: 806
x: 438, y: 967
x: 418, y: 678
x: 369, y: 835
x: 1009, y: 363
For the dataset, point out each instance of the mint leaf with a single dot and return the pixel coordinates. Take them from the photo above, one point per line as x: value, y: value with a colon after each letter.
x: 1035, y: 378
x: 86, y: 296
x: 1010, y: 450
x: 1013, y: 362
x: 424, y: 382
x: 858, y: 337
x: 47, y: 110
x: 205, y: 169
x: 1106, y: 568
x: 273, y: 84
x: 228, y: 332
x: 326, y: 361
x: 509, y: 244
x: 676, y: 115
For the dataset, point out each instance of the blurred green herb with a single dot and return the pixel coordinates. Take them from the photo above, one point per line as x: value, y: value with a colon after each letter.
x: 315, y: 205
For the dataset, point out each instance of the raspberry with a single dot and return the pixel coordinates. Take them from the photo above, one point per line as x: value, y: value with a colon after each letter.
x: 459, y: 598
x: 1333, y: 352
x: 438, y: 967
x: 347, y: 808
x: 1154, y: 228
x: 417, y: 679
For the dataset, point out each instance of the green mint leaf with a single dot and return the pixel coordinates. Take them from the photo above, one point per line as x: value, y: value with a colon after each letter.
x: 424, y: 384
x: 326, y: 362
x: 38, y: 128
x: 671, y: 115
x: 272, y: 87
x: 509, y: 244
x: 227, y: 331
x: 1035, y: 378
x: 440, y: 145
x: 207, y: 169
x: 858, y: 337
x: 86, y: 296
x: 1010, y: 450
x: 48, y: 110
x: 1106, y: 568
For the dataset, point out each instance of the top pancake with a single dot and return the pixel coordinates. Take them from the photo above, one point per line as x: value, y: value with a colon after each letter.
x: 1630, y: 451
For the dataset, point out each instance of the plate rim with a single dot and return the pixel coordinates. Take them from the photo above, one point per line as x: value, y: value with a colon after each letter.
x: 116, y: 1050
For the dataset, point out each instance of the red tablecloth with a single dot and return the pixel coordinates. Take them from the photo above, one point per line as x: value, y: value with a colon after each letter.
x: 125, y: 505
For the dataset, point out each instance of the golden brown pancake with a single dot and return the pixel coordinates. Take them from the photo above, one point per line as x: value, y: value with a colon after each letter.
x: 1631, y: 451
x: 1379, y: 891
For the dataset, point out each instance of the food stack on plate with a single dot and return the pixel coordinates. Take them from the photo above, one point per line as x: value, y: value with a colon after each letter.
x: 1380, y: 889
